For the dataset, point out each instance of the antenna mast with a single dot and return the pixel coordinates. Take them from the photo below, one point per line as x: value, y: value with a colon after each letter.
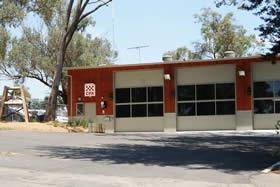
x: 139, y: 50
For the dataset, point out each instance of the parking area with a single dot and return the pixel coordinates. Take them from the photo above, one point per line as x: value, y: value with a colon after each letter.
x: 194, y: 158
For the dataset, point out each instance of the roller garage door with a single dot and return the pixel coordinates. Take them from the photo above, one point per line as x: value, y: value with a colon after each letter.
x: 139, y: 101
x: 206, y: 98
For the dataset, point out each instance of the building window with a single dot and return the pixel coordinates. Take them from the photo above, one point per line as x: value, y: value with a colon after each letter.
x: 205, y: 108
x: 122, y: 111
x: 266, y: 97
x: 139, y: 95
x: 79, y: 109
x: 139, y: 102
x: 155, y: 94
x: 205, y: 92
x: 206, y: 99
x: 123, y: 95
x: 186, y: 93
x: 155, y: 109
x: 225, y: 107
x: 263, y: 89
x: 263, y: 106
x: 139, y: 110
x: 186, y: 109
x: 225, y: 91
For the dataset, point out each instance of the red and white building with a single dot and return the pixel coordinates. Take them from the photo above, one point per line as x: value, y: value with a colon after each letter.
x: 223, y: 94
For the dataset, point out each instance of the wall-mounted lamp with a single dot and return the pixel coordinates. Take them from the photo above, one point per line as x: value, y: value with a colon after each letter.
x: 167, y: 77
x: 79, y: 99
x: 241, y: 73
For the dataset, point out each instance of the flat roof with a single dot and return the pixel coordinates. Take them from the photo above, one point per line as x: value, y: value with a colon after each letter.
x: 215, y: 61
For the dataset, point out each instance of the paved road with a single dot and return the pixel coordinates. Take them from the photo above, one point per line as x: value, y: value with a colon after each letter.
x: 147, y: 159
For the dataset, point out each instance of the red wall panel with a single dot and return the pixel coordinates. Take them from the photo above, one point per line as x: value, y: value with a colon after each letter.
x: 169, y: 89
x: 103, y: 79
x: 243, y: 87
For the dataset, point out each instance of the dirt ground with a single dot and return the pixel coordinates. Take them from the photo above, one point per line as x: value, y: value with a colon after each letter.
x: 31, y: 127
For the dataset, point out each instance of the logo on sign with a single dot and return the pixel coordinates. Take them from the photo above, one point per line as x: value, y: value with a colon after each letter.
x: 89, y: 90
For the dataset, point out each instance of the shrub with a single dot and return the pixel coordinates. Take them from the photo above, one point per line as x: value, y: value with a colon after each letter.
x: 55, y: 123
x: 78, y: 122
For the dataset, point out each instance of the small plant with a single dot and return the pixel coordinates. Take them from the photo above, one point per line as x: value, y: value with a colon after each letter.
x: 78, y: 122
x: 34, y: 120
x: 70, y: 121
x: 55, y: 123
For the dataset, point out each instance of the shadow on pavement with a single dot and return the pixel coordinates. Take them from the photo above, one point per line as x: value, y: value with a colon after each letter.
x: 228, y: 153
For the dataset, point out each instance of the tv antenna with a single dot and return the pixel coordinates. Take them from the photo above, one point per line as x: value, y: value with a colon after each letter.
x: 139, y: 50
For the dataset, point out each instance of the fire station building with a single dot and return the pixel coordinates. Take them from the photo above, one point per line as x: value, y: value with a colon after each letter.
x: 223, y: 94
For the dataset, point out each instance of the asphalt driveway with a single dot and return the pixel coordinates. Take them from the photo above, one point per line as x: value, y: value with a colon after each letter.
x: 197, y: 159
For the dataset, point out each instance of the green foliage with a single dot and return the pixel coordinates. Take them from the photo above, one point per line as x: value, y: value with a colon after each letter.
x: 268, y: 11
x: 219, y: 34
x: 12, y: 12
x: 55, y: 123
x: 183, y: 53
x: 37, y: 104
x: 34, y: 53
x: 34, y: 56
x: 45, y: 53
x: 79, y: 122
x: 4, y: 39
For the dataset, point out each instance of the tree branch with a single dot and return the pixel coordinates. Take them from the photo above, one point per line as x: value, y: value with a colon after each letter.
x: 94, y: 10
x: 68, y: 14
x: 84, y: 5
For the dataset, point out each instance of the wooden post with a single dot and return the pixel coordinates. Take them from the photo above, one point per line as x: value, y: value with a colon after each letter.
x: 25, y: 108
x: 4, y: 98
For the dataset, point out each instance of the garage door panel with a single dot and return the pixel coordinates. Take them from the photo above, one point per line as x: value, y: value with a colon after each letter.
x: 138, y: 78
x: 187, y: 123
x: 265, y: 121
x: 151, y: 124
x: 266, y: 71
x: 215, y: 74
x: 266, y: 76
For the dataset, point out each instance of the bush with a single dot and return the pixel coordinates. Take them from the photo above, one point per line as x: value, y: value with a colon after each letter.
x: 78, y: 122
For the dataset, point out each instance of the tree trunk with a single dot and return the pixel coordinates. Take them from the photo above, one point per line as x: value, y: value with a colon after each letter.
x: 67, y: 37
x: 64, y: 95
x: 52, y: 102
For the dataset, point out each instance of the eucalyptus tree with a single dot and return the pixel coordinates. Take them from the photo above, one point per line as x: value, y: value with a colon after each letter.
x: 64, y: 20
x: 269, y: 12
x: 219, y: 34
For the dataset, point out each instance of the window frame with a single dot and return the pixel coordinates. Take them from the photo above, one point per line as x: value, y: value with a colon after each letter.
x: 215, y: 100
x: 80, y: 103
x: 147, y: 102
x: 275, y: 98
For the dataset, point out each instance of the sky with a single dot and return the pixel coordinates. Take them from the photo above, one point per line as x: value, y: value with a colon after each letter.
x: 162, y: 25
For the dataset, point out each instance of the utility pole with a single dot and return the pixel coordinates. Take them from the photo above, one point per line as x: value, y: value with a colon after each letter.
x: 139, y: 50
x: 113, y: 25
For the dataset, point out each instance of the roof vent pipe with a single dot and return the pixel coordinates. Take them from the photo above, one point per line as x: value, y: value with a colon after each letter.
x: 229, y: 54
x: 167, y: 58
